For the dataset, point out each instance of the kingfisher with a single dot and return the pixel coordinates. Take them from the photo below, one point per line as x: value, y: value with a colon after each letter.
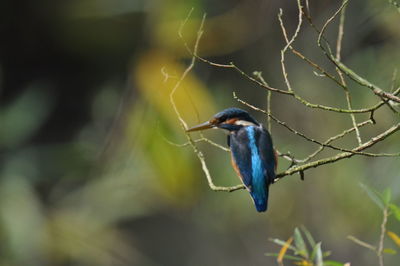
x: 252, y: 154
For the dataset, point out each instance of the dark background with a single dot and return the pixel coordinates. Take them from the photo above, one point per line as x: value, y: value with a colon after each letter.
x: 87, y: 176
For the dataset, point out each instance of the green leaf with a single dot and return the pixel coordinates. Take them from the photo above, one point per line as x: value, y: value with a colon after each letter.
x: 308, y: 235
x: 326, y: 254
x: 386, y: 196
x: 318, y: 261
x: 313, y: 253
x: 289, y: 257
x: 395, y: 210
x: 389, y: 251
x: 373, y: 195
x: 300, y: 244
x: 282, y: 243
x: 332, y: 263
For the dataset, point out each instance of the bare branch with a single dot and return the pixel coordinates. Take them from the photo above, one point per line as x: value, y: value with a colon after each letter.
x: 361, y: 243
x: 289, y: 43
x: 296, y: 132
x: 343, y: 155
x: 350, y: 73
x: 346, y: 90
x: 297, y: 165
x: 292, y: 93
x: 331, y: 139
x: 269, y: 95
x: 382, y: 236
x: 198, y: 153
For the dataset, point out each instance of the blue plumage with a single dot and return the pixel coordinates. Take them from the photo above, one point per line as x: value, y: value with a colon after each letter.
x: 253, y: 156
x: 255, y: 163
x: 258, y: 191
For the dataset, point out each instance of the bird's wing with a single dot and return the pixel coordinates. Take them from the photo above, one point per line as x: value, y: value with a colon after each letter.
x: 241, y: 158
x: 267, y: 154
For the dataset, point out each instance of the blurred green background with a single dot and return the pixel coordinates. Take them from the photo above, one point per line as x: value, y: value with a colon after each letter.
x: 87, y: 176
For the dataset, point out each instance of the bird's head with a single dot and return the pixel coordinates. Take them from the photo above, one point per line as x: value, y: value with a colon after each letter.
x: 230, y: 119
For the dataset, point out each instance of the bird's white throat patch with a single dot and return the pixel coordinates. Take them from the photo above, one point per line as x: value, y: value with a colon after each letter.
x: 244, y: 123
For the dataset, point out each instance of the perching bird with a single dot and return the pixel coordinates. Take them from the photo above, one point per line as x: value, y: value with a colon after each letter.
x: 253, y: 156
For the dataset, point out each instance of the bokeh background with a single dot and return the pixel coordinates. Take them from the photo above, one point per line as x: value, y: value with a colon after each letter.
x: 87, y: 176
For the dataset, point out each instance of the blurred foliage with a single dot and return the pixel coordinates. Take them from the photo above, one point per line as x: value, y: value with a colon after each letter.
x: 309, y: 253
x: 306, y: 252
x: 87, y: 173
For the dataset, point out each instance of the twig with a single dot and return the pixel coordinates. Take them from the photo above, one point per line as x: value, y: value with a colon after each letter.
x: 231, y: 65
x: 331, y: 139
x: 211, y: 184
x: 330, y: 76
x: 298, y: 166
x: 342, y: 155
x: 289, y: 43
x: 269, y: 94
x: 382, y: 236
x: 361, y: 243
x: 198, y: 153
x: 378, y: 250
x: 296, y: 132
x: 350, y: 73
x: 303, y: 101
x: 202, y: 139
x: 338, y: 57
x: 187, y: 70
x: 375, y: 89
x: 330, y: 57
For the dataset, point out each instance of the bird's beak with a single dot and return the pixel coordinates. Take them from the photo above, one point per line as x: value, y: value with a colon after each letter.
x: 205, y: 125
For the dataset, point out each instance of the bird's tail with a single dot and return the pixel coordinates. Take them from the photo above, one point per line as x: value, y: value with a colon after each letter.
x: 260, y: 198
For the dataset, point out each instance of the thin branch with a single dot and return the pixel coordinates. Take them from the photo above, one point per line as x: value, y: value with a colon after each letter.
x: 330, y: 76
x: 216, y: 144
x: 378, y: 250
x: 188, y: 69
x: 375, y: 89
x: 288, y: 156
x: 269, y: 94
x: 361, y: 243
x: 342, y: 155
x: 289, y: 43
x: 340, y: 34
x: 264, y: 85
x: 338, y: 57
x: 330, y: 57
x: 211, y: 184
x: 259, y: 80
x: 331, y: 139
x: 350, y: 73
x: 202, y: 139
x: 296, y: 132
x: 341, y: 82
x: 382, y: 236
x: 303, y: 101
x: 291, y: 93
x: 198, y: 153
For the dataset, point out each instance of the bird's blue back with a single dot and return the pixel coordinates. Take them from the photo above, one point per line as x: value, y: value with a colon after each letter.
x: 252, y: 151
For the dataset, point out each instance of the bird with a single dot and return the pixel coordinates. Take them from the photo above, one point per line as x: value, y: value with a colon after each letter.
x: 252, y: 154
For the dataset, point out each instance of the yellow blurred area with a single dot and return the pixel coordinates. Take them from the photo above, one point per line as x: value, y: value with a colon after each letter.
x: 156, y: 74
